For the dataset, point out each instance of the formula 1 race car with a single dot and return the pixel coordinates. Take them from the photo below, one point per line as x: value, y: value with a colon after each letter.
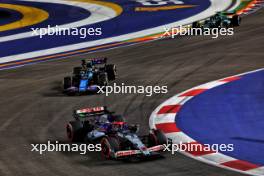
x: 219, y: 20
x: 88, y: 77
x: 118, y: 139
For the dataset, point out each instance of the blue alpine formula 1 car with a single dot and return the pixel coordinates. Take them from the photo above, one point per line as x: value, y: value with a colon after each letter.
x: 88, y: 76
x: 118, y: 139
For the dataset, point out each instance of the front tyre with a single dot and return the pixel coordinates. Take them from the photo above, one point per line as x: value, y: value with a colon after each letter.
x: 103, y: 79
x: 196, y: 24
x: 111, y: 71
x: 109, y: 145
x: 236, y: 20
x: 157, y: 137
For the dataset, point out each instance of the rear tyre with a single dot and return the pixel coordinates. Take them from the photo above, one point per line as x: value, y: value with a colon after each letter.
x: 195, y: 24
x: 66, y: 82
x: 74, y: 131
x: 109, y: 146
x: 77, y: 70
x: 111, y: 71
x: 236, y: 20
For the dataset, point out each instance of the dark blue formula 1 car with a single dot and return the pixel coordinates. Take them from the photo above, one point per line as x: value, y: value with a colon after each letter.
x: 118, y: 139
x: 88, y: 77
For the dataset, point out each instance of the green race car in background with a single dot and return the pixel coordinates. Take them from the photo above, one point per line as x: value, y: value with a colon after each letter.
x: 219, y: 20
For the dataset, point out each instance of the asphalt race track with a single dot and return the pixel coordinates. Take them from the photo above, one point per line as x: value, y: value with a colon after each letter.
x: 33, y: 110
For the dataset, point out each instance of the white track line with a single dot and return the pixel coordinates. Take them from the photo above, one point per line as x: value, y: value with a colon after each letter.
x: 98, y: 14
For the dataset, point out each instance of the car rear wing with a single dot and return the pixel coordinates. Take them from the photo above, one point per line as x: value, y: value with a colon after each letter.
x: 91, y: 111
x: 96, y: 61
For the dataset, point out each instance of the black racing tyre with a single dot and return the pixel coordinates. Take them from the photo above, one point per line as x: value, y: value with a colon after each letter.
x: 103, y: 79
x: 236, y: 20
x: 152, y: 140
x: 111, y: 71
x: 75, y: 81
x: 157, y: 137
x: 195, y: 24
x: 77, y: 70
x: 74, y: 131
x: 67, y: 82
x: 96, y: 78
x: 109, y: 145
x: 162, y: 139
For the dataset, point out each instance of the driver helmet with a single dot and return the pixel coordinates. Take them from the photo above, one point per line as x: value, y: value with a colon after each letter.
x: 103, y: 119
x: 119, y: 126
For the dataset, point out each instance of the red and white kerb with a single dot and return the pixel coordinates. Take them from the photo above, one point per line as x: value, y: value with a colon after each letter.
x: 163, y: 117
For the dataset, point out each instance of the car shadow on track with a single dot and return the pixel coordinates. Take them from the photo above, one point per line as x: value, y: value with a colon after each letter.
x: 97, y: 160
x: 57, y: 91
